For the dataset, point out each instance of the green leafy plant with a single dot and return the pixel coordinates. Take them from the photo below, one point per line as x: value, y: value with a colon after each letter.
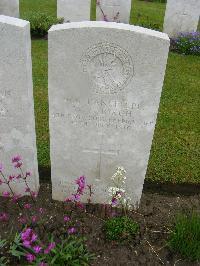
x: 144, y: 21
x: 120, y: 228
x: 16, y: 247
x: 41, y: 23
x: 3, y: 260
x: 68, y: 251
x: 185, y: 237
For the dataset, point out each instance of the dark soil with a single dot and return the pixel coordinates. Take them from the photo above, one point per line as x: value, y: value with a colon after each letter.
x: 155, y: 217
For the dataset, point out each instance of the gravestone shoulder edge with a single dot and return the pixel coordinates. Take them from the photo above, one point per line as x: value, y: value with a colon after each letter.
x: 14, y: 21
x: 109, y: 25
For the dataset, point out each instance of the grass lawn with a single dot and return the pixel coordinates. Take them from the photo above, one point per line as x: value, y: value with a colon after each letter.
x: 175, y: 152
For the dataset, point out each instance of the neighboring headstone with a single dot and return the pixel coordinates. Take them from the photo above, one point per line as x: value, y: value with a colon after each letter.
x: 9, y: 8
x: 17, y: 124
x: 181, y: 16
x: 73, y: 10
x: 105, y: 82
x: 113, y: 10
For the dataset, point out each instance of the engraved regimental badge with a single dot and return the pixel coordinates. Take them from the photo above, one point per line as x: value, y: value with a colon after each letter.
x: 109, y: 66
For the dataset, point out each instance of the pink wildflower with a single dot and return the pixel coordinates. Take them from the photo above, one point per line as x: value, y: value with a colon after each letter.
x: 71, y: 230
x: 18, y: 165
x: 28, y: 174
x: 22, y: 220
x: 11, y: 177
x: 26, y: 234
x: 34, y: 219
x: 80, y: 205
x: 6, y: 194
x: 27, y: 189
x: 1, y: 182
x: 30, y: 257
x: 41, y: 210
x: 4, y: 217
x: 16, y: 197
x: 34, y: 194
x: 46, y: 251
x: 27, y: 206
x: 37, y: 249
x: 67, y: 219
x: 81, y: 184
x: 27, y: 244
x: 18, y: 176
x: 33, y: 237
x: 114, y: 202
x: 16, y: 159
x: 51, y: 246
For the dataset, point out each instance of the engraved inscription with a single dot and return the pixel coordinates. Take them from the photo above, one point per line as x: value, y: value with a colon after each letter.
x: 109, y: 66
x: 102, y: 113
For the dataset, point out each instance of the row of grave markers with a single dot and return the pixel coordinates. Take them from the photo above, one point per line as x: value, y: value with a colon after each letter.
x: 105, y: 82
x: 180, y: 15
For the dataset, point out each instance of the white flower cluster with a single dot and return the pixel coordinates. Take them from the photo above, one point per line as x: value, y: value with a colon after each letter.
x: 119, y: 176
x: 118, y: 192
x: 115, y: 191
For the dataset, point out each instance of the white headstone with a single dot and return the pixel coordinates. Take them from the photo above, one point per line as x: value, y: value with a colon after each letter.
x: 17, y: 124
x: 73, y: 10
x: 113, y: 10
x: 105, y: 82
x: 9, y: 8
x: 181, y: 16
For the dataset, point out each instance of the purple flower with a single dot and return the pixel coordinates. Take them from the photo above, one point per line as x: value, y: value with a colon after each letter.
x: 81, y: 184
x: 27, y: 189
x: 114, y: 202
x: 33, y: 237
x: 30, y: 257
x: 16, y: 159
x: 22, y: 220
x: 41, y: 210
x: 67, y: 219
x: 46, y: 251
x: 18, y: 165
x: 37, y: 249
x: 26, y: 234
x: 34, y: 219
x: 28, y: 174
x: 16, y: 197
x: 6, y: 194
x: 27, y: 206
x: 51, y: 246
x: 71, y: 230
x: 11, y: 177
x: 4, y: 217
x: 27, y: 244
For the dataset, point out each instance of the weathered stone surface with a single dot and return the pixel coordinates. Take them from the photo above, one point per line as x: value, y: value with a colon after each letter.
x: 105, y: 82
x: 17, y: 130
x: 71, y: 10
x: 113, y: 10
x: 9, y: 8
x: 181, y: 16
